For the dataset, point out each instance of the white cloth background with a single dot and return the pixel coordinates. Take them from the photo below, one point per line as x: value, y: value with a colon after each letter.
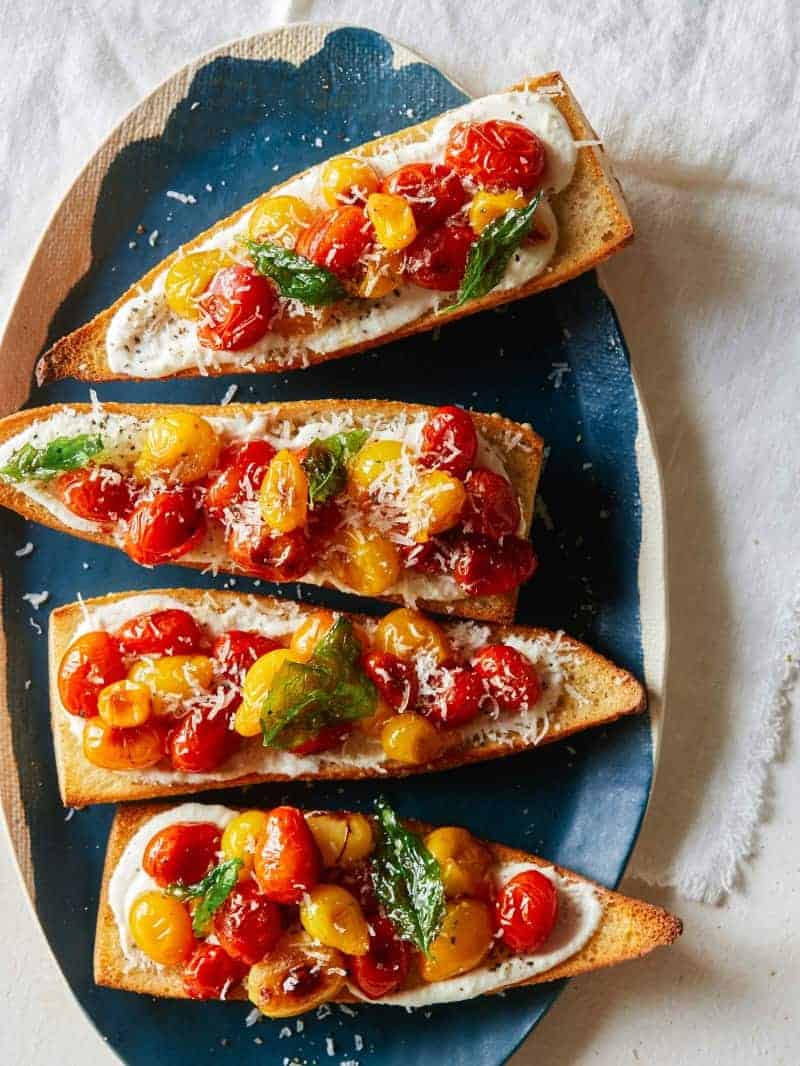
x: 698, y: 107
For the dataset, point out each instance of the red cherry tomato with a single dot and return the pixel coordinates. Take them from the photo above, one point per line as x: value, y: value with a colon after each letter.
x: 287, y: 863
x: 236, y: 309
x: 242, y: 466
x: 433, y: 190
x: 271, y: 556
x: 449, y: 441
x: 165, y: 527
x: 210, y: 972
x: 492, y: 506
x: 248, y: 925
x: 97, y: 493
x: 385, y: 966
x: 508, y: 677
x: 526, y: 910
x: 337, y: 239
x: 497, y: 154
x: 203, y: 739
x: 167, y: 632
x: 236, y: 651
x: 432, y: 557
x: 182, y: 852
x: 395, y: 679
x: 89, y: 664
x: 437, y: 258
x: 484, y: 567
x: 457, y: 696
x: 330, y: 736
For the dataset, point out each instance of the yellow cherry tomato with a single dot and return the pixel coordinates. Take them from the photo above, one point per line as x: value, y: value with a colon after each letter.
x: 297, y: 976
x: 376, y: 459
x: 255, y: 689
x: 180, y: 447
x: 406, y: 632
x: 161, y: 927
x: 365, y: 560
x: 124, y: 704
x: 464, y: 941
x: 487, y: 206
x: 283, y: 497
x: 410, y: 738
x: 463, y: 860
x: 392, y: 219
x: 133, y: 748
x: 341, y: 838
x: 434, y: 504
x: 383, y: 272
x: 346, y: 179
x: 333, y: 916
x: 309, y: 633
x: 189, y: 277
x: 241, y: 836
x: 280, y: 218
x: 172, y: 678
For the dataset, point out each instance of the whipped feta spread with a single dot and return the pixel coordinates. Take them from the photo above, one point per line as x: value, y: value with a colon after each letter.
x: 358, y: 752
x: 579, y: 914
x: 145, y: 338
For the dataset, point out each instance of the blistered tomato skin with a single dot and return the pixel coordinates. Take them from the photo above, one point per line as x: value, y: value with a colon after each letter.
x: 242, y: 466
x: 161, y: 927
x: 458, y: 697
x: 236, y: 309
x: 508, y: 677
x: 182, y: 853
x: 135, y: 748
x: 203, y: 740
x: 485, y: 567
x: 347, y: 179
x: 287, y: 861
x: 167, y: 632
x: 283, y: 496
x: 406, y: 633
x: 241, y: 836
x: 279, y: 218
x: 496, y: 154
x: 248, y: 925
x: 179, y: 447
x: 297, y: 976
x: 90, y: 663
x: 189, y: 277
x: 526, y: 911
x: 394, y: 679
x: 235, y: 652
x: 492, y: 506
x: 260, y: 552
x: 449, y: 442
x: 165, y: 527
x: 434, y: 191
x: 463, y: 942
x: 385, y: 966
x: 99, y: 494
x: 337, y: 239
x: 210, y: 972
x: 438, y: 257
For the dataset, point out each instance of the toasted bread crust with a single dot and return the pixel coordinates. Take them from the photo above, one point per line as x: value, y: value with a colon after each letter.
x: 520, y: 447
x: 593, y: 221
x: 628, y: 929
x: 609, y: 693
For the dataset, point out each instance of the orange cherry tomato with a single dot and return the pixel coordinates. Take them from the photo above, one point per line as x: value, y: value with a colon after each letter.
x: 182, y: 852
x: 97, y: 493
x: 434, y: 191
x: 203, y: 739
x: 337, y: 239
x: 236, y: 309
x: 438, y: 257
x: 526, y: 910
x: 134, y: 748
x: 248, y: 925
x: 496, y: 154
x: 271, y: 556
x: 242, y: 466
x: 236, y: 651
x: 210, y: 972
x: 165, y: 527
x: 287, y: 862
x: 89, y: 664
x: 167, y: 632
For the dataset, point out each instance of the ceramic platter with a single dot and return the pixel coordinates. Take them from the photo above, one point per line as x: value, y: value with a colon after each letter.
x: 225, y: 129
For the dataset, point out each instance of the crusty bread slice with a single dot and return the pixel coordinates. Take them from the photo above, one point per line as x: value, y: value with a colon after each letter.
x: 520, y: 447
x: 593, y: 221
x: 628, y: 929
x: 595, y: 692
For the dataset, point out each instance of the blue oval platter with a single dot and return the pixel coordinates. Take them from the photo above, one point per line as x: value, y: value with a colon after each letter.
x: 557, y: 360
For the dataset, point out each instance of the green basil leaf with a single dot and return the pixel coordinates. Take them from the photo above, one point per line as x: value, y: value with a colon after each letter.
x: 490, y: 254
x: 30, y: 463
x: 329, y: 689
x: 296, y: 277
x: 407, y: 880
x: 212, y: 892
x: 326, y: 462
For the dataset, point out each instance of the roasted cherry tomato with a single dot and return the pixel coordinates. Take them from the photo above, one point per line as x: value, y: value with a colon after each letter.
x: 203, y: 739
x: 357, y: 879
x: 337, y: 239
x: 271, y: 556
x: 508, y: 677
x: 132, y: 748
x: 242, y: 466
x: 248, y: 925
x: 97, y: 493
x: 236, y: 309
x: 526, y: 910
x: 167, y: 632
x: 165, y: 527
x: 431, y: 557
x: 385, y: 966
x: 484, y: 567
x: 438, y: 257
x: 496, y: 154
x: 210, y: 972
x: 182, y: 852
x: 449, y: 441
x: 236, y: 651
x: 89, y: 664
x: 456, y: 698
x: 287, y: 861
x: 395, y: 679
x: 492, y: 506
x: 330, y: 736
x: 323, y: 521
x: 434, y: 191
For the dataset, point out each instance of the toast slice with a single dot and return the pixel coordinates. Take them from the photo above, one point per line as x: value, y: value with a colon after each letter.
x: 593, y: 223
x: 628, y: 929
x: 593, y: 692
x: 519, y: 447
